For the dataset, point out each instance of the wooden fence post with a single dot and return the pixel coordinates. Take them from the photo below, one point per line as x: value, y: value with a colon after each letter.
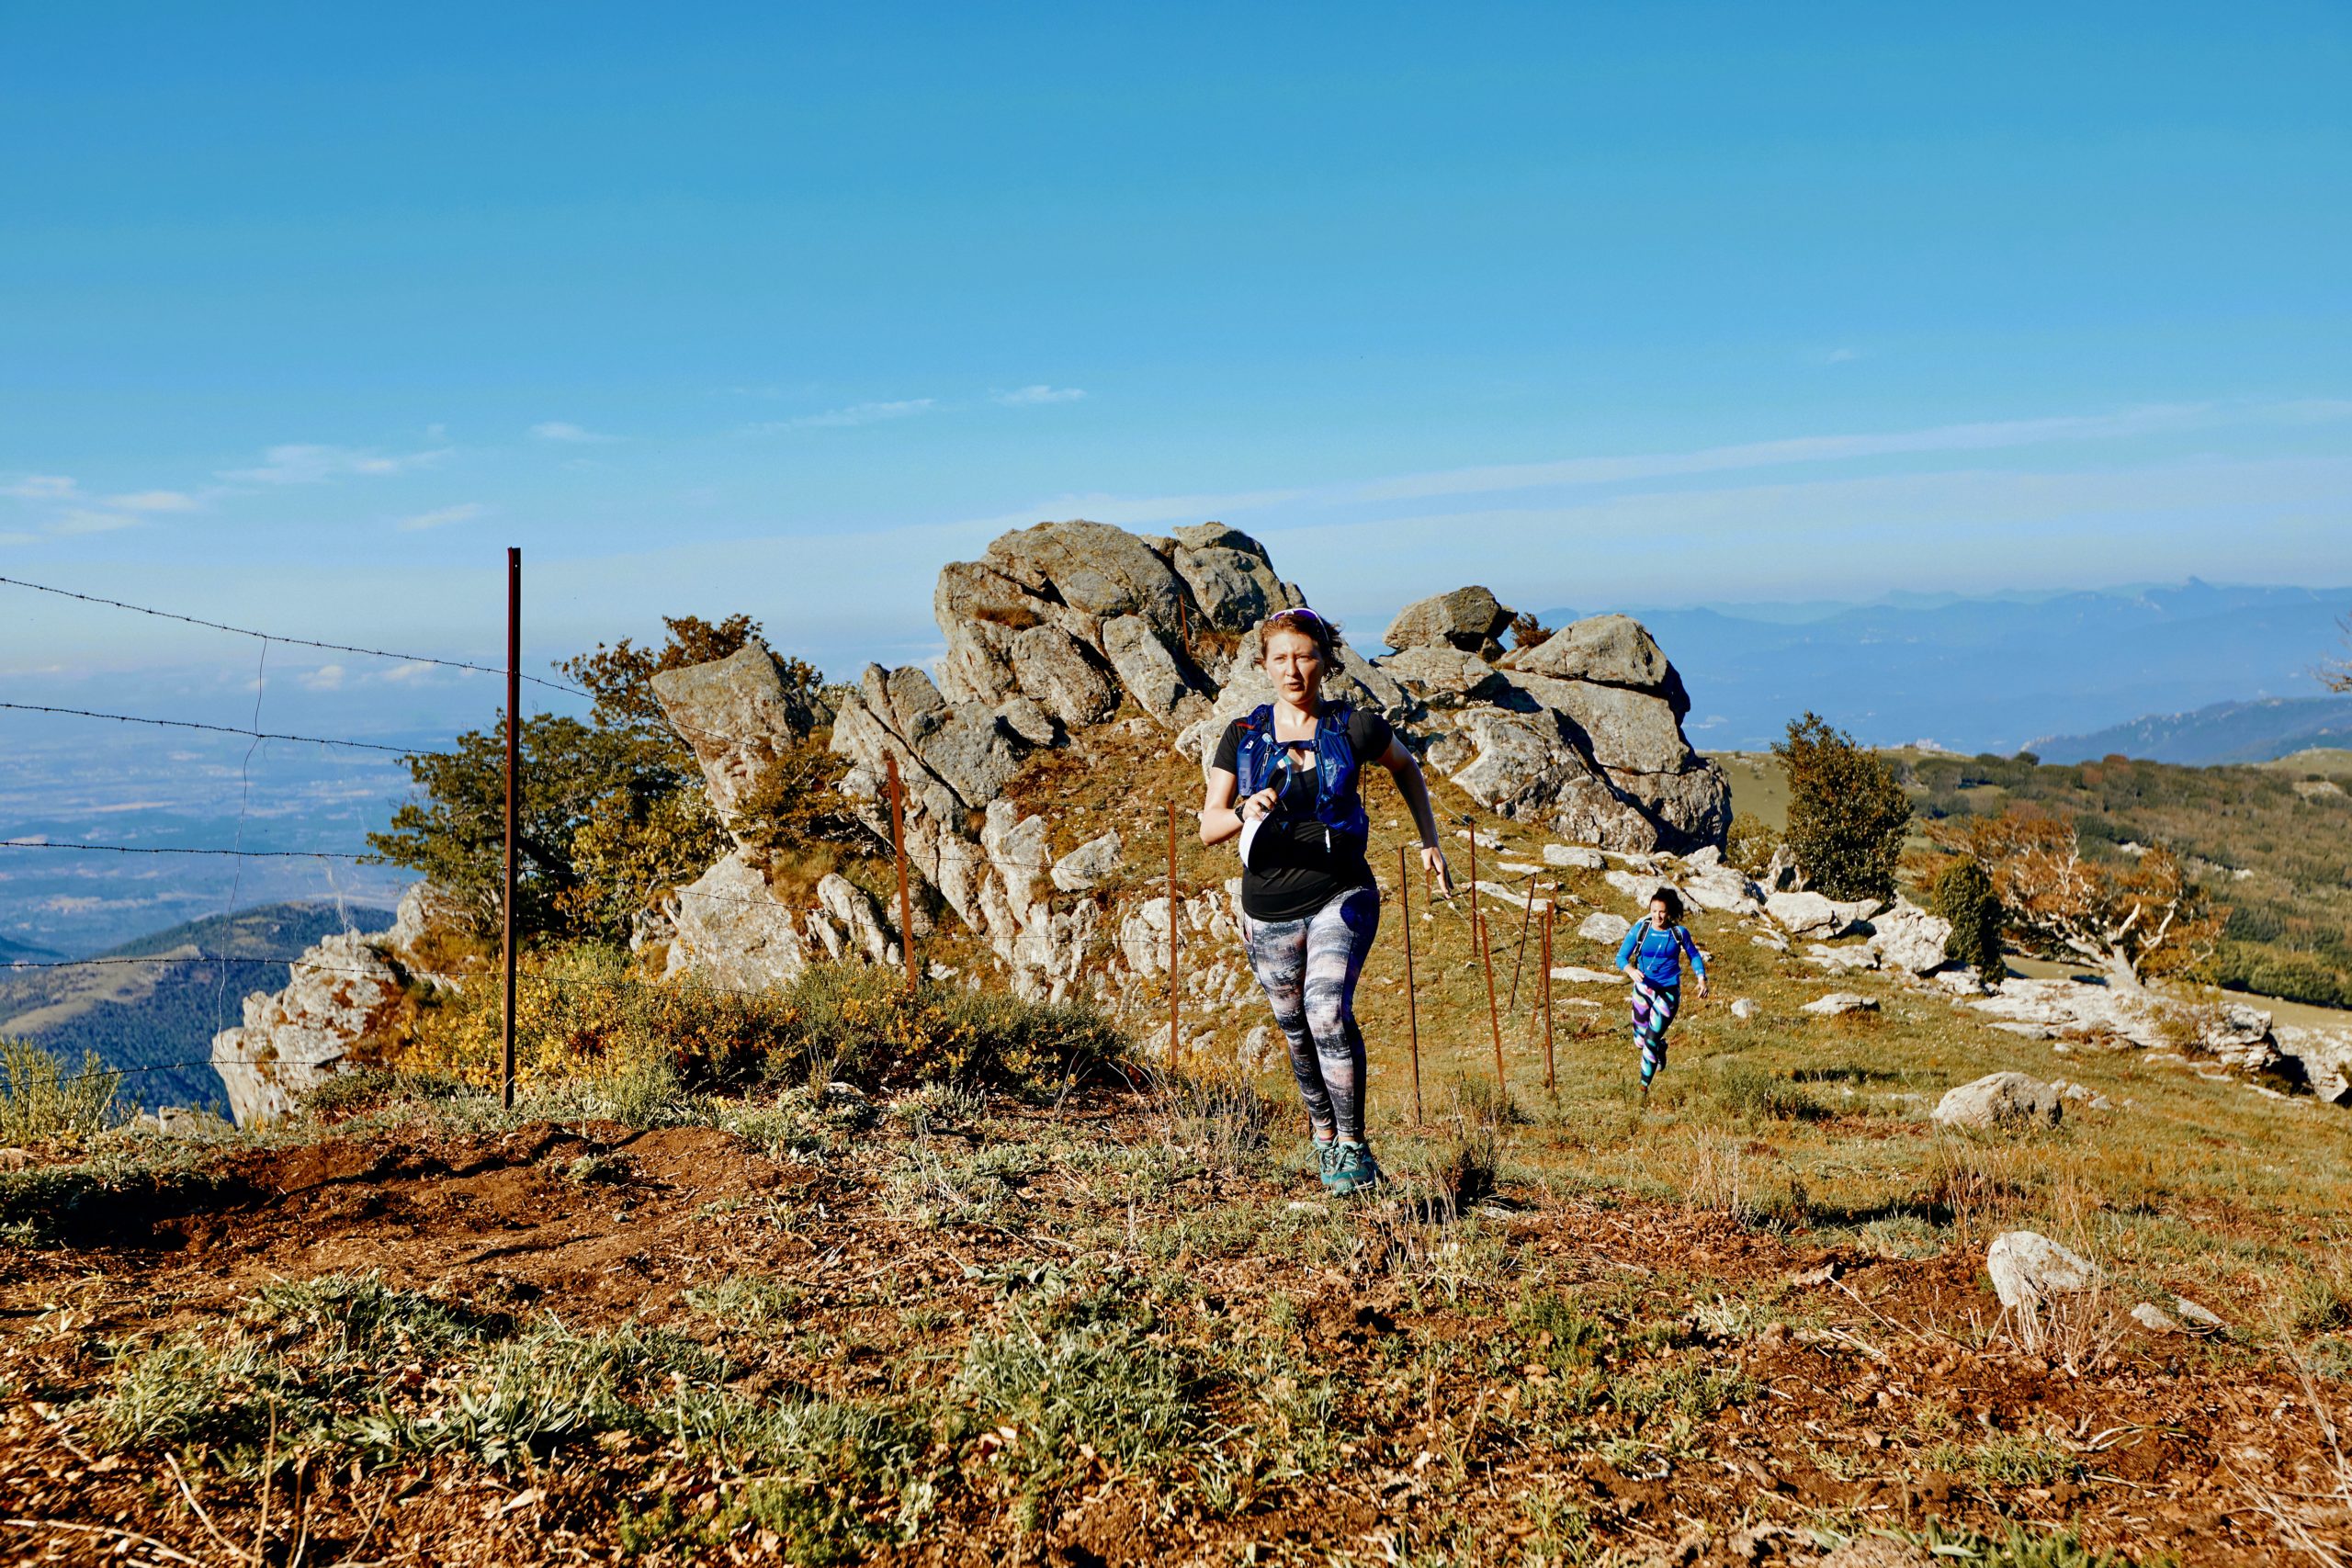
x: 1175, y: 975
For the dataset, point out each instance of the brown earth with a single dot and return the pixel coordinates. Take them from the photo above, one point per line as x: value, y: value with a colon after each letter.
x: 1855, y: 1360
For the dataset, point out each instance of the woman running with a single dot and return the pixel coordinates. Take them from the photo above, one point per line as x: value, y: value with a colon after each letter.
x: 1309, y: 908
x: 1651, y: 957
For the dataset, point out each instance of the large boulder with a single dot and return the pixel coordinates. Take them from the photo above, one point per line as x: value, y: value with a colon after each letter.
x: 732, y: 933
x: 1093, y: 568
x: 736, y: 715
x: 2000, y: 1100
x: 1150, y: 672
x: 1230, y: 577
x: 1468, y: 618
x: 1804, y: 914
x: 1908, y: 938
x: 1609, y: 650
x: 1446, y: 676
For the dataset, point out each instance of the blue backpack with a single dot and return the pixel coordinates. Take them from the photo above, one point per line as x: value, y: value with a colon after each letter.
x: 1337, y: 804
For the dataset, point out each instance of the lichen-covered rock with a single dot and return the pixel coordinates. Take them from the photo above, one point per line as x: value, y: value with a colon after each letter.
x: 736, y: 715
x: 1445, y: 676
x: 1613, y: 651
x: 2000, y: 1100
x: 337, y: 995
x: 1575, y: 855
x: 1149, y: 671
x: 1230, y: 577
x: 1471, y: 619
x: 1089, y: 866
x: 733, y: 932
x: 1053, y: 668
x: 1804, y: 914
x: 1603, y: 926
x: 1093, y: 568
x: 1837, y: 1004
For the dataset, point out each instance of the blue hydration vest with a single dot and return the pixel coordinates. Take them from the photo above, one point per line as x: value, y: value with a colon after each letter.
x: 1337, y: 804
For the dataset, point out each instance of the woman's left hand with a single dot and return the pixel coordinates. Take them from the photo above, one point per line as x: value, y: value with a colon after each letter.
x: 1434, y: 864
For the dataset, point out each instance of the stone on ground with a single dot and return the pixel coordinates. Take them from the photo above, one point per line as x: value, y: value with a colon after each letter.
x: 1602, y: 926
x: 1575, y: 855
x: 2028, y: 1268
x: 2000, y: 1100
x: 1838, y: 1003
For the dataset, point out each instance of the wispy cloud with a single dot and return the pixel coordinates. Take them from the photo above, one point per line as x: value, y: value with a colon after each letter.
x: 325, y: 678
x: 42, y: 487
x: 565, y: 430
x: 153, y: 501
x: 85, y: 520
x: 464, y: 511
x: 1031, y: 397
x: 300, y: 464
x: 1841, y: 356
x: 855, y: 414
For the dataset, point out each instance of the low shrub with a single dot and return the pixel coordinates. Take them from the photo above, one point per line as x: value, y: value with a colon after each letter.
x: 41, y: 1103
x: 582, y: 1014
x: 1964, y: 895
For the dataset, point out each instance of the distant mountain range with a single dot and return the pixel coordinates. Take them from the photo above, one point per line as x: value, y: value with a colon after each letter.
x: 1991, y: 674
x: 2225, y: 732
x: 156, y: 1020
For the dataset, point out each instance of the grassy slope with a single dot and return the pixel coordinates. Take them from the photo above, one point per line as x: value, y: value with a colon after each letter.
x: 1478, y: 1390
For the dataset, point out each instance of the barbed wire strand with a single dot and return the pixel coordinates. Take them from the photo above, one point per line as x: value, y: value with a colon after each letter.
x: 289, y: 641
x: 215, y: 729
x: 161, y: 850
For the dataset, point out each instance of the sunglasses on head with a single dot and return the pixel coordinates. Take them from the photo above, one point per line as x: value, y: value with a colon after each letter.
x: 1300, y: 613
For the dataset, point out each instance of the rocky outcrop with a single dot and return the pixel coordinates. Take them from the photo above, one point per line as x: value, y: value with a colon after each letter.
x: 339, y: 997
x: 1582, y: 733
x: 736, y: 715
x: 1469, y: 619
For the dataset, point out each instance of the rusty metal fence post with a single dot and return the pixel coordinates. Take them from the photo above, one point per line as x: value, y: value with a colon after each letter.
x: 1494, y: 1013
x: 898, y: 853
x: 514, y: 813
x: 1551, y: 1084
x: 1175, y: 974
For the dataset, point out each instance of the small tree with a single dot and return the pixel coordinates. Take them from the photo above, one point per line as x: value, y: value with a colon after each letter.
x: 1526, y: 631
x: 1847, y: 813
x: 2337, y: 673
x: 1965, y: 896
x: 2135, y: 921
x: 1751, y: 843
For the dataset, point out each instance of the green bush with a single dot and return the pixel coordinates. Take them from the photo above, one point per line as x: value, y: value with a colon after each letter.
x: 1964, y: 895
x: 1847, y: 811
x: 40, y: 1102
x: 1751, y: 843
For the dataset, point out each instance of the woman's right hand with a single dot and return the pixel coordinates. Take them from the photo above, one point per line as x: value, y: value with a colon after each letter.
x: 1258, y: 804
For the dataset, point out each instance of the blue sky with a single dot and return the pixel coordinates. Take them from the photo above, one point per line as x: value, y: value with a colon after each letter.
x: 307, y: 312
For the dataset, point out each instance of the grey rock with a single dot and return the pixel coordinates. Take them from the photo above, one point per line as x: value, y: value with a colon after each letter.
x: 1743, y: 1008
x: 1149, y: 671
x: 853, y: 909
x: 2201, y: 1317
x: 1838, y: 1003
x: 1467, y: 618
x: 970, y: 751
x: 1578, y: 974
x: 2155, y: 1319
x: 733, y: 933
x: 1908, y: 938
x: 1087, y: 865
x: 2000, y: 1100
x: 2323, y: 1057
x: 1575, y: 855
x: 1615, y: 650
x: 735, y: 716
x: 1445, y: 676
x: 1710, y: 884
x: 1025, y: 719
x: 1053, y: 668
x: 1603, y: 926
x: 1229, y: 575
x: 1621, y: 730
x: 1094, y: 568
x: 2028, y: 1269
x: 340, y: 993
x: 1804, y: 914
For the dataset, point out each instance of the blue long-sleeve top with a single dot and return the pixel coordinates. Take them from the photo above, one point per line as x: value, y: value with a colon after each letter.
x: 1659, y: 952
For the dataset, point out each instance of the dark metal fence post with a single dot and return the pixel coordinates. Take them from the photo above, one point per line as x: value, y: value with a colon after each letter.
x: 513, y: 800
x: 1494, y: 1013
x: 899, y: 853
x: 1550, y: 1083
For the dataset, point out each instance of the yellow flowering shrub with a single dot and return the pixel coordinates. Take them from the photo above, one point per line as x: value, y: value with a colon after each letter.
x: 579, y: 1012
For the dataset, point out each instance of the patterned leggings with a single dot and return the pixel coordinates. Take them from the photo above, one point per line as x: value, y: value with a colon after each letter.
x: 1654, y: 1008
x: 1308, y: 969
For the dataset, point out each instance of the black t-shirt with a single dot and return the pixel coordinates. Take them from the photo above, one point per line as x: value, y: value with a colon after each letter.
x: 1302, y: 872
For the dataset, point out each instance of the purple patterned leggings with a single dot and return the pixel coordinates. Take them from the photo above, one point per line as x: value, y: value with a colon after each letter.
x: 1309, y: 970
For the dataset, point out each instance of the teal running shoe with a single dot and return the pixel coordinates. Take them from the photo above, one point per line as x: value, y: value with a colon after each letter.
x: 1326, y: 1161
x: 1353, y: 1169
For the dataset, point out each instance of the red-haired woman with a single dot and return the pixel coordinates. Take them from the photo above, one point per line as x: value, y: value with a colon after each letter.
x: 1285, y: 780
